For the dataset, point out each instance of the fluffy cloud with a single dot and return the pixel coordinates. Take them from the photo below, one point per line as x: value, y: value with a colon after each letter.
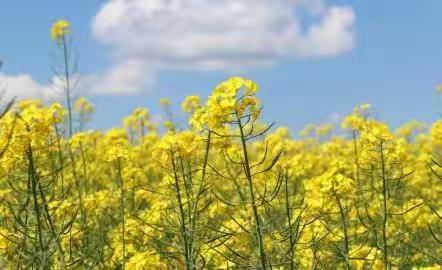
x: 152, y: 35
x: 23, y: 86
x: 129, y: 76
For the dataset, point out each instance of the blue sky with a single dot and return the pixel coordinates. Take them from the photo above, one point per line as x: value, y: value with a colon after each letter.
x: 394, y: 64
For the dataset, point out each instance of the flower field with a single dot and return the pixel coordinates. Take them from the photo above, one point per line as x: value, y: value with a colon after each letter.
x: 226, y: 191
x: 222, y: 190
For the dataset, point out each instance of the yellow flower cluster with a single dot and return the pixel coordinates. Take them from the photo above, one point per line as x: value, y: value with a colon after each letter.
x: 191, y: 104
x: 59, y: 30
x: 235, y: 97
x: 83, y: 106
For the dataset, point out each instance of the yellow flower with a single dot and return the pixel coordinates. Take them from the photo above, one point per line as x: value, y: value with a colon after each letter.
x: 164, y: 102
x: 169, y: 125
x: 82, y: 105
x: 60, y: 29
x: 324, y: 130
x: 232, y: 98
x: 191, y: 104
x: 117, y: 151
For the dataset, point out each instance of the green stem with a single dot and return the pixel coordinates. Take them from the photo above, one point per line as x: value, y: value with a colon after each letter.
x: 288, y: 210
x: 68, y: 84
x: 385, y: 205
x: 37, y: 209
x: 123, y: 231
x: 346, y: 254
x: 248, y: 173
x: 182, y: 214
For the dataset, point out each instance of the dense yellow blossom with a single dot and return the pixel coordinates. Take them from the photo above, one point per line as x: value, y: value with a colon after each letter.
x: 365, y: 197
x: 235, y: 97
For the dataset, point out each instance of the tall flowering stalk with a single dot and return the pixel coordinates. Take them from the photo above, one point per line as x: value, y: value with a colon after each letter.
x: 231, y: 113
x: 181, y: 154
x: 59, y: 34
x: 117, y: 154
x: 40, y: 228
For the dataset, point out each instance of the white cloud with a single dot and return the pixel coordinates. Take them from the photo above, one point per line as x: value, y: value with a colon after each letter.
x: 126, y: 77
x: 23, y: 86
x: 332, y: 36
x: 208, y: 34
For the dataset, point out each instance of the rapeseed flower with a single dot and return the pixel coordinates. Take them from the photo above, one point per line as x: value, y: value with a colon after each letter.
x: 59, y: 30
